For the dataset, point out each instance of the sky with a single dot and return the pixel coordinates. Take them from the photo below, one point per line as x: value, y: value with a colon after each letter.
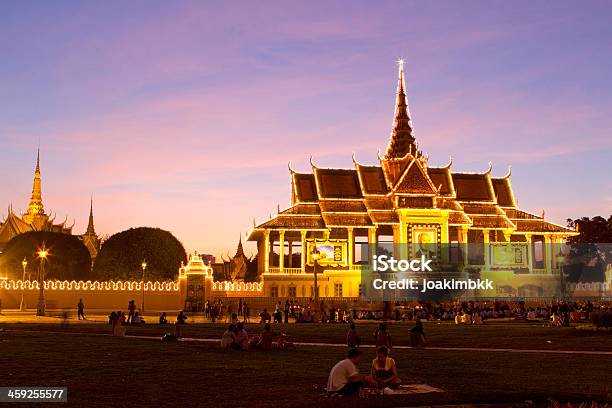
x: 183, y: 115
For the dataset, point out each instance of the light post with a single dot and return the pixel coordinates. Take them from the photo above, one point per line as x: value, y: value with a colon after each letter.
x: 561, y: 263
x: 42, y: 255
x: 315, y: 257
x: 143, y: 265
x: 24, y: 263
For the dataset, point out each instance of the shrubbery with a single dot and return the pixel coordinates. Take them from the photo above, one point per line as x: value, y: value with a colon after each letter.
x: 121, y: 255
x: 602, y: 319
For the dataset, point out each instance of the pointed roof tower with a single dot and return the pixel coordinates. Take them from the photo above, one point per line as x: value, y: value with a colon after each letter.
x: 239, y: 250
x: 36, y: 205
x: 90, y: 226
x: 402, y: 141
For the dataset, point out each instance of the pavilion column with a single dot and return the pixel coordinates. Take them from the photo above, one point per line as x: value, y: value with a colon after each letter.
x: 326, y: 234
x: 529, y: 253
x: 351, y: 246
x: 487, y: 249
x: 548, y: 251
x: 303, y: 254
x: 372, y: 243
x: 281, y: 251
x: 266, y: 251
x: 462, y: 235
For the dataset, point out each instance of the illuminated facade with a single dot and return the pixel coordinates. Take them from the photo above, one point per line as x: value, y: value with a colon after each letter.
x: 471, y: 219
x: 35, y: 219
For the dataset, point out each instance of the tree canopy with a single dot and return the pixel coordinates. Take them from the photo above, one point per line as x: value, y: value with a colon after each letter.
x: 121, y: 255
x: 68, y: 258
x: 591, y: 250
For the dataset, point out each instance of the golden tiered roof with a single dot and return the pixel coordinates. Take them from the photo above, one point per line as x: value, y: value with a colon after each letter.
x: 369, y: 195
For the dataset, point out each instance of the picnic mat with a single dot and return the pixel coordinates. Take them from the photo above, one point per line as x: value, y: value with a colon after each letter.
x: 412, y: 389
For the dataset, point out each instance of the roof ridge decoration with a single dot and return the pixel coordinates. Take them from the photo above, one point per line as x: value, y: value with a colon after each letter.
x: 401, y: 135
x: 422, y: 171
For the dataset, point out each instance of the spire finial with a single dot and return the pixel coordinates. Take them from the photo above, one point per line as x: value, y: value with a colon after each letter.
x: 35, y: 207
x: 90, y: 225
x: 401, y: 135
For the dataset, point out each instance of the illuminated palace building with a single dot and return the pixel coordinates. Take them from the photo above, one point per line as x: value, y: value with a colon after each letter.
x: 403, y: 199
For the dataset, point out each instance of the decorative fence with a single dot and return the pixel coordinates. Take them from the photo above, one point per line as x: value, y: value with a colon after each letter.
x: 89, y: 285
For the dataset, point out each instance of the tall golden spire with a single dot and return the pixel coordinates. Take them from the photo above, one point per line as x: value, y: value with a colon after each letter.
x: 36, y: 205
x: 402, y: 141
x: 90, y: 226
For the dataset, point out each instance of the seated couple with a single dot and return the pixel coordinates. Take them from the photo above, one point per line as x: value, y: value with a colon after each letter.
x: 345, y: 378
x: 235, y: 337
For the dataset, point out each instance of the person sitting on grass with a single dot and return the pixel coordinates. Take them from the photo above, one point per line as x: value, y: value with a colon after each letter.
x: 384, y: 371
x: 163, y: 319
x: 265, y: 316
x: 265, y: 340
x: 137, y: 319
x: 382, y: 336
x: 352, y: 338
x: 241, y: 341
x: 228, y: 337
x: 344, y: 377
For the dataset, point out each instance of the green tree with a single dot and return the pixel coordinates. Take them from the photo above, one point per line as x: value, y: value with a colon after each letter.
x: 121, y: 255
x: 591, y: 250
x: 68, y: 258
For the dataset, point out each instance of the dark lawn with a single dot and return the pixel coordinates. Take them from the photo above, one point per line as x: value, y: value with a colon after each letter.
x: 108, y: 371
x: 494, y: 334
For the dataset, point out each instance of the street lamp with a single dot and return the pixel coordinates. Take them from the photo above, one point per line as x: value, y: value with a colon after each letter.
x: 143, y: 265
x: 315, y: 255
x: 42, y: 255
x: 561, y: 264
x: 24, y: 263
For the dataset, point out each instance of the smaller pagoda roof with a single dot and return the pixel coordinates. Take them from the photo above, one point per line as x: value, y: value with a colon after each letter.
x: 473, y: 187
x: 337, y: 183
x: 305, y: 187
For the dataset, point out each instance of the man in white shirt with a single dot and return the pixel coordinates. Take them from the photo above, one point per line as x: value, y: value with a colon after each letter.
x: 344, y: 377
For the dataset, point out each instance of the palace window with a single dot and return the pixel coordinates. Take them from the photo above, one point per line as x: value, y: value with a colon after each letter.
x: 274, y: 291
x: 292, y: 291
x: 338, y: 290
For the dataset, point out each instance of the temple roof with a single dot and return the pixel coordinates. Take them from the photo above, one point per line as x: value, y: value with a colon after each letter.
x: 372, y: 180
x: 337, y: 183
x: 503, y: 191
x: 473, y: 187
x: 305, y: 187
x: 371, y: 195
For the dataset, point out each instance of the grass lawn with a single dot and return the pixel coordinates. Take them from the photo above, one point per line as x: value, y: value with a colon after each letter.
x: 108, y: 371
x: 494, y: 334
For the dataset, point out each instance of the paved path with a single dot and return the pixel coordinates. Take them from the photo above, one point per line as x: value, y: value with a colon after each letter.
x: 340, y: 345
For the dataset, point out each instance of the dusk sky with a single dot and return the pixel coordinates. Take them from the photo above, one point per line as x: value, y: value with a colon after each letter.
x: 183, y: 115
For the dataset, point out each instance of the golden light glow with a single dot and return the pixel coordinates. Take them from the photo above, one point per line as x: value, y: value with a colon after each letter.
x: 24, y: 263
x: 143, y: 265
x: 42, y: 253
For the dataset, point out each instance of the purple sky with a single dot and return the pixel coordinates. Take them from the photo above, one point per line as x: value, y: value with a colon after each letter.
x: 183, y: 115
